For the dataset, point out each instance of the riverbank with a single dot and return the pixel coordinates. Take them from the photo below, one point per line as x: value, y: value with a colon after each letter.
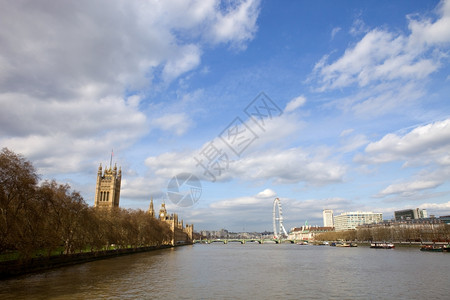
x: 408, y: 244
x: 16, y: 267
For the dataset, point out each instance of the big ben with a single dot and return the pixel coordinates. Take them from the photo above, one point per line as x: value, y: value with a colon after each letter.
x: 163, y: 212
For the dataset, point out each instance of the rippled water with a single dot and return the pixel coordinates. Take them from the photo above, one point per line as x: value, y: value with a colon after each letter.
x: 249, y: 271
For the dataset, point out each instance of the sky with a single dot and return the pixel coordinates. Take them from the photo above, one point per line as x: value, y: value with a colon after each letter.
x: 339, y: 105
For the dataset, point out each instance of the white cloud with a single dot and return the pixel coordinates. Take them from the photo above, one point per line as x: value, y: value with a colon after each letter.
x: 424, y: 144
x: 295, y: 103
x: 246, y: 213
x: 267, y: 193
x: 280, y: 166
x: 65, y: 66
x: 178, y: 123
x: 335, y: 31
x: 390, y: 66
x: 408, y: 188
x: 62, y: 136
x: 240, y: 202
x: 289, y: 166
x: 445, y: 207
x: 380, y: 55
x: 187, y: 59
x: 427, y: 32
x: 352, y: 142
x: 237, y: 25
x: 110, y: 44
x: 346, y: 132
x: 264, y: 159
x: 169, y: 164
x: 358, y: 27
x: 141, y: 188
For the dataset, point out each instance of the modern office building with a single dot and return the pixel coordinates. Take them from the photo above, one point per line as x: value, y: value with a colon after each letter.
x: 410, y: 214
x: 328, y: 218
x: 350, y: 220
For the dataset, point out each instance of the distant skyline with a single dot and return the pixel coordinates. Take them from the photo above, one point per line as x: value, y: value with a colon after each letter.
x: 357, y: 95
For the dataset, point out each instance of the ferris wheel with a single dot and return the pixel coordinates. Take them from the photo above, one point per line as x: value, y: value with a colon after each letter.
x: 278, y: 228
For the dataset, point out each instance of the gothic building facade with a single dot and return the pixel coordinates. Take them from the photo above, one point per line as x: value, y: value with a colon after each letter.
x: 180, y: 233
x: 107, y: 196
x: 107, y: 191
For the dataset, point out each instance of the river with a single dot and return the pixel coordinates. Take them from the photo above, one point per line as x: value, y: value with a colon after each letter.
x: 249, y: 271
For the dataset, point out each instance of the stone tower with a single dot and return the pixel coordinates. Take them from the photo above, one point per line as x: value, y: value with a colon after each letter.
x: 163, y: 212
x: 151, y: 210
x: 107, y: 191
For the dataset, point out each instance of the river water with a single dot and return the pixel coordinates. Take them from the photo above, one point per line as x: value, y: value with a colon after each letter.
x: 249, y: 271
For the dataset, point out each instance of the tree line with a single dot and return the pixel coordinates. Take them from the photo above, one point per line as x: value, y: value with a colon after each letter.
x: 49, y: 217
x: 425, y: 233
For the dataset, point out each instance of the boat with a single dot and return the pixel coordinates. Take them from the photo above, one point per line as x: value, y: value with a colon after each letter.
x: 382, y: 245
x: 432, y: 248
x: 343, y: 245
x: 446, y: 248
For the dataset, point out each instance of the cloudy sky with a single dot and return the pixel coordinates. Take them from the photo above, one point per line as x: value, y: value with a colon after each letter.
x: 324, y: 104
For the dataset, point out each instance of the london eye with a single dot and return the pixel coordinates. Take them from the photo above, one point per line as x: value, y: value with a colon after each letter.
x: 278, y: 229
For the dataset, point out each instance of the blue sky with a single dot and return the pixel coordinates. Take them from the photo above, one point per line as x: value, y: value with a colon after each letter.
x: 359, y: 91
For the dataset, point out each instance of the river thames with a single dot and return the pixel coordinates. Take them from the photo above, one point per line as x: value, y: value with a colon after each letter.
x: 249, y: 271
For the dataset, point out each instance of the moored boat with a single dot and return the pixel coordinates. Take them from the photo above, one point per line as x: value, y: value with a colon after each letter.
x: 382, y: 245
x: 346, y: 245
x: 432, y: 248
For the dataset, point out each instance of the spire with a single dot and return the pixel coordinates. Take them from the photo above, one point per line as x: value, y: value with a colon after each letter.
x: 151, y: 210
x: 110, y: 162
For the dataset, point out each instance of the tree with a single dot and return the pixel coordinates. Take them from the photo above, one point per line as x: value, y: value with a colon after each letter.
x: 51, y: 216
x: 18, y: 180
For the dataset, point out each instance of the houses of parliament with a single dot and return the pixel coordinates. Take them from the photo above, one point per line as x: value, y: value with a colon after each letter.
x: 107, y: 196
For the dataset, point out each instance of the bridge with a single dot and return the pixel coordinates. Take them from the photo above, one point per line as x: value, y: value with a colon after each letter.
x: 279, y: 232
x: 244, y: 241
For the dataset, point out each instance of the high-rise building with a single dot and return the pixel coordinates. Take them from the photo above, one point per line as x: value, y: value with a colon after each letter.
x: 420, y: 213
x: 410, y: 214
x: 350, y: 220
x: 107, y: 191
x: 328, y: 218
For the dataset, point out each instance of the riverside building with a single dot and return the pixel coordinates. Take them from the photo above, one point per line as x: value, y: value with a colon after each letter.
x: 107, y: 190
x: 410, y: 214
x: 350, y: 220
x: 307, y: 233
x: 328, y: 218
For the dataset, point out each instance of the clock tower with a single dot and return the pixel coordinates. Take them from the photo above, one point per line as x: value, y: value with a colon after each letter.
x: 163, y: 212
